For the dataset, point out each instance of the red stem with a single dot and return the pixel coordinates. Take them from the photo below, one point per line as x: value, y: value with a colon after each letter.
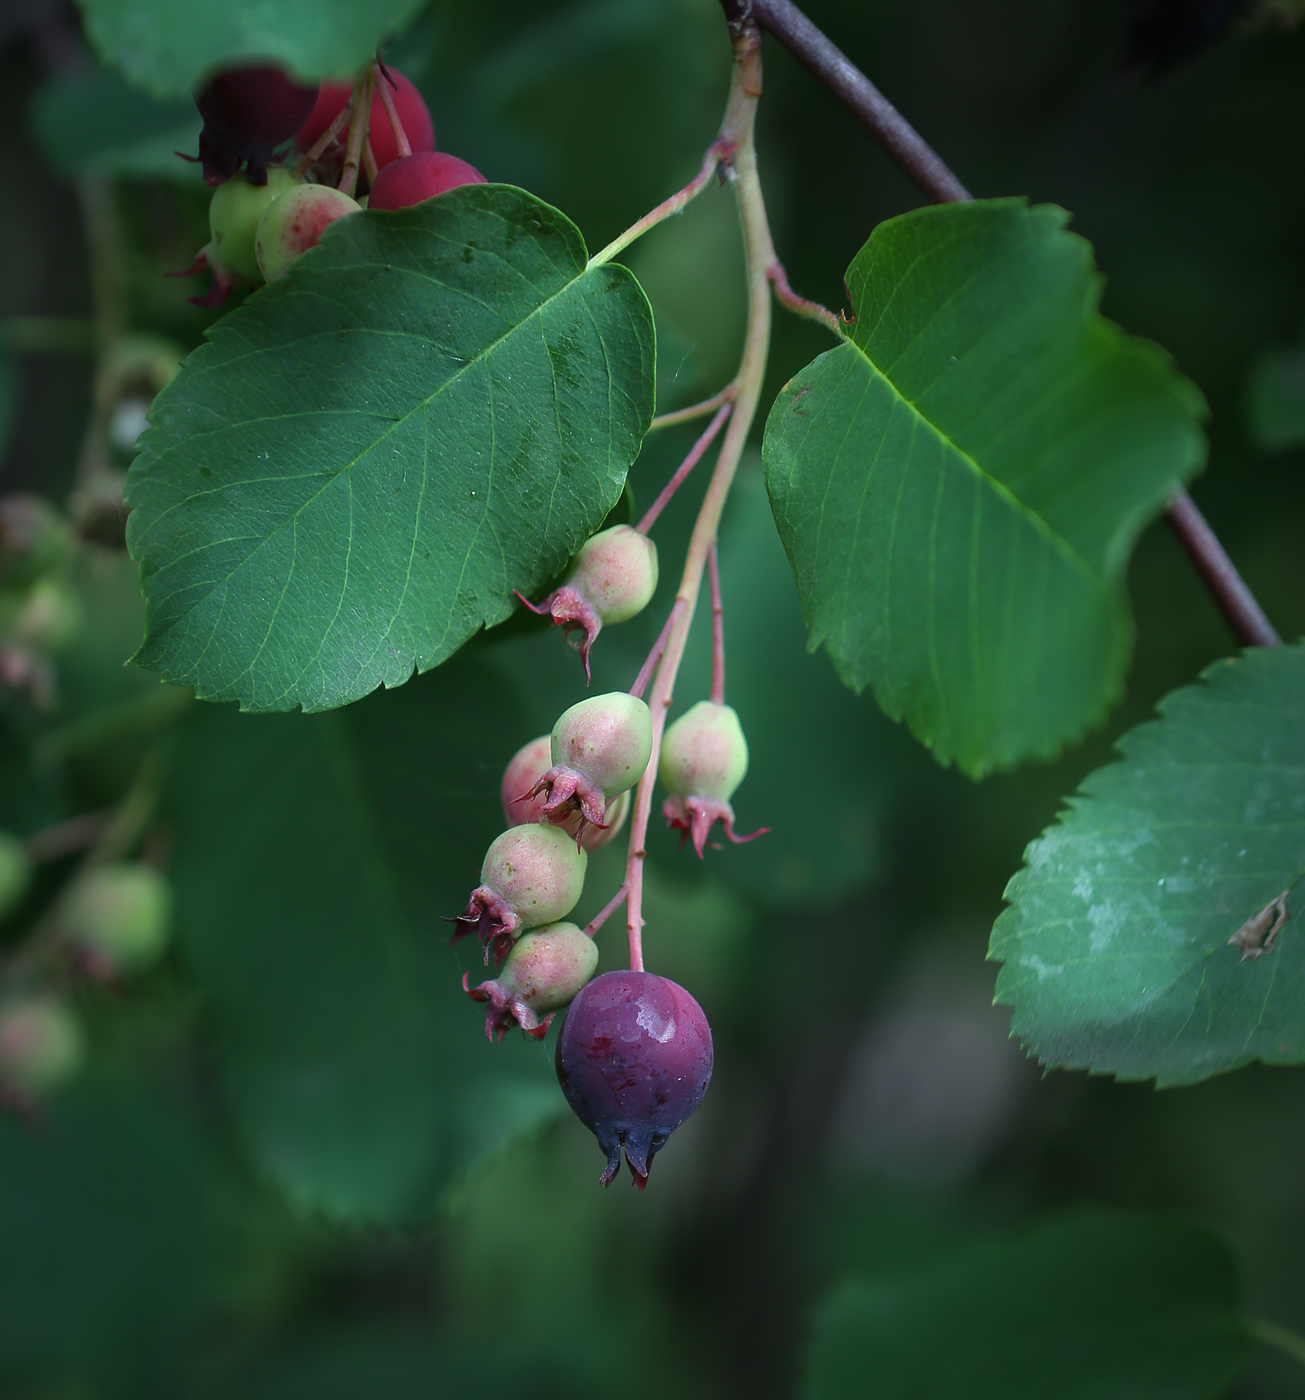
x: 717, y: 630
x: 685, y: 467
x: 607, y: 911
x: 655, y: 655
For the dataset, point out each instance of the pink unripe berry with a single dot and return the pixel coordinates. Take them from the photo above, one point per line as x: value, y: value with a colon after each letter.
x: 233, y: 216
x: 544, y: 970
x: 527, y: 766
x: 408, y: 102
x: 634, y: 1058
x: 532, y: 875
x: 423, y: 175
x: 40, y: 1046
x: 612, y: 579
x: 294, y: 222
x: 704, y: 759
x: 118, y: 917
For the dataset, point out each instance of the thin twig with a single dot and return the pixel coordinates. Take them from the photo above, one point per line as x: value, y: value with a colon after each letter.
x: 717, y: 629
x: 908, y: 148
x: 719, y: 151
x: 62, y: 839
x: 801, y: 306
x: 737, y: 128
x: 695, y: 456
x: 694, y: 410
x: 324, y: 140
x: 655, y: 655
x: 360, y: 106
x: 370, y: 168
x: 1238, y: 603
x: 606, y: 913
x: 845, y: 80
x: 391, y: 111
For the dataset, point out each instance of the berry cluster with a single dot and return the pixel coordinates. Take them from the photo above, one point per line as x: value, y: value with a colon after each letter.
x: 265, y: 215
x: 634, y: 1053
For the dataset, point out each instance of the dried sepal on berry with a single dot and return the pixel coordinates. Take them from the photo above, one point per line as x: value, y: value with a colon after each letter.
x: 600, y: 749
x: 543, y: 972
x: 532, y: 875
x: 612, y: 579
x: 524, y: 770
x: 704, y: 759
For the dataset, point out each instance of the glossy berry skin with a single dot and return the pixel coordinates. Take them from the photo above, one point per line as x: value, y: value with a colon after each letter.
x: 295, y: 222
x: 524, y: 770
x: 704, y: 759
x: 532, y: 875
x: 600, y: 749
x: 248, y: 112
x: 544, y: 970
x: 408, y: 102
x: 118, y: 918
x: 233, y: 216
x: 418, y: 177
x: 634, y: 1059
x: 612, y: 579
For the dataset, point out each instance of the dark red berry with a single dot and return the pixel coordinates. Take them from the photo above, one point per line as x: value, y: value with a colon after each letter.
x: 420, y: 176
x: 248, y: 113
x: 408, y: 102
x: 634, y: 1060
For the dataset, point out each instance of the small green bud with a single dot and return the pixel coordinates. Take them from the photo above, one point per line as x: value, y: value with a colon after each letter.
x: 120, y: 917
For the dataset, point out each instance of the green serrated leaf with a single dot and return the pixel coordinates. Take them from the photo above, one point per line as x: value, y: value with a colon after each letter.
x: 959, y: 484
x: 95, y: 123
x: 433, y: 409
x: 168, y: 46
x: 1275, y: 400
x: 314, y: 859
x: 1090, y: 1306
x: 1140, y: 940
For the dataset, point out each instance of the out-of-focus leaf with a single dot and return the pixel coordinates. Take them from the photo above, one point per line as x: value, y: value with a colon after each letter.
x: 1140, y: 940
x: 314, y: 859
x: 434, y: 408
x: 1090, y: 1306
x: 959, y: 485
x: 95, y: 123
x: 1275, y: 400
x: 8, y: 396
x: 168, y: 46
x: 105, y: 1240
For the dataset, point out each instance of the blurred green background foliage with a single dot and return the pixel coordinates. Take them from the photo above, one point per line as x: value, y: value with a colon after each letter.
x: 293, y: 1166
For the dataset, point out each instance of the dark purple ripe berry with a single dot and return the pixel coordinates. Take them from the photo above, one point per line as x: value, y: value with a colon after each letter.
x: 248, y: 113
x: 634, y: 1060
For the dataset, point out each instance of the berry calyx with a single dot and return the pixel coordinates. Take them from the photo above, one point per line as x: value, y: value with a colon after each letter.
x: 40, y: 1047
x: 15, y: 872
x: 233, y: 215
x: 248, y: 112
x: 294, y: 222
x: 612, y: 579
x: 704, y: 759
x: 543, y: 972
x: 118, y: 919
x: 600, y: 749
x: 634, y: 1058
x: 526, y: 767
x: 532, y: 875
x: 409, y: 103
x: 420, y: 176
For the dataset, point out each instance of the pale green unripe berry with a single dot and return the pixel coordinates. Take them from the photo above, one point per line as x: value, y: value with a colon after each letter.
x: 120, y: 916
x: 15, y: 872
x: 537, y: 872
x: 548, y: 966
x: 40, y: 1044
x: 46, y: 617
x: 704, y: 753
x: 233, y: 216
x: 616, y: 571
x: 607, y: 739
x: 294, y: 222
